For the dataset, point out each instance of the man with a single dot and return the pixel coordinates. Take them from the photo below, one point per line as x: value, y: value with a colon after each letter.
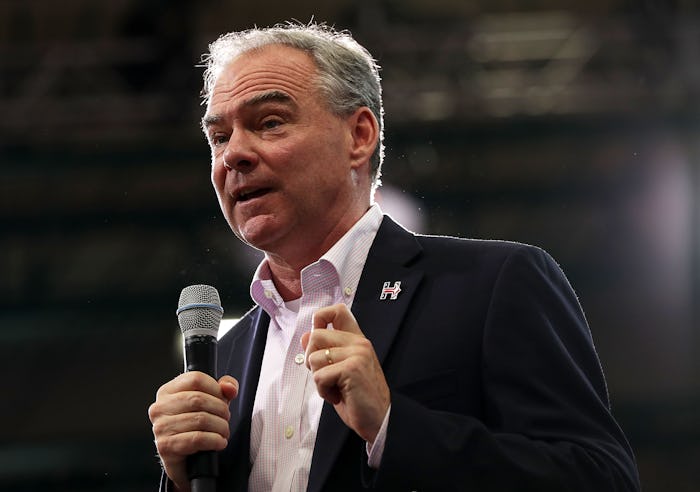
x: 433, y: 363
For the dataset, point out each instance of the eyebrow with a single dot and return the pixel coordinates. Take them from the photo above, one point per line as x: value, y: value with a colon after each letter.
x: 275, y: 96
x: 256, y: 100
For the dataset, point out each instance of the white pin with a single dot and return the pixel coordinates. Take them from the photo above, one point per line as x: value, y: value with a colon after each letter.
x: 392, y: 292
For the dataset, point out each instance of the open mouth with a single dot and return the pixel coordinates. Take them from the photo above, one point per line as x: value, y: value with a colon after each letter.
x: 247, y: 195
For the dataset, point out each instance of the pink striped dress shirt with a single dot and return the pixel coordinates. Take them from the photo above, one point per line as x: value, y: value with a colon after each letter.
x: 287, y: 406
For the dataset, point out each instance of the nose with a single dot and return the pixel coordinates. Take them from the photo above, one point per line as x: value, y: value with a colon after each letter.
x: 238, y: 154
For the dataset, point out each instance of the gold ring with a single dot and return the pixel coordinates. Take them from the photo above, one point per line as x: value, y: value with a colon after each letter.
x: 328, y: 356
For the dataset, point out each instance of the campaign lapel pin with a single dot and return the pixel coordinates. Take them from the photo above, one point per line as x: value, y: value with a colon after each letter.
x: 392, y: 292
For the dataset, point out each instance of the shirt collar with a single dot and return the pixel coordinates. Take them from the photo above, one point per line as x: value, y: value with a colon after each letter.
x: 347, y: 257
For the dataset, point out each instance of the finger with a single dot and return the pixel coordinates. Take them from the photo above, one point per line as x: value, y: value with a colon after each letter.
x: 325, y: 357
x: 180, y: 445
x: 320, y: 340
x: 188, y: 402
x: 191, y: 381
x: 170, y: 425
x: 326, y: 379
x: 339, y: 316
x: 326, y: 366
x: 229, y: 387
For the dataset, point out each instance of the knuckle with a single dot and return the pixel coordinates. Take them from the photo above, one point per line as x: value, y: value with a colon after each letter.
x: 158, y: 429
x: 164, y: 446
x: 161, y: 392
x: 199, y: 420
x: 197, y: 380
x: 313, y: 336
x: 365, y: 344
x: 154, y: 412
x: 196, y: 400
x: 198, y: 440
x: 168, y: 387
x: 355, y: 365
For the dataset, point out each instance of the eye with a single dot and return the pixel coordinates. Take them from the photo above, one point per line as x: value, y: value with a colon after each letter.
x: 218, y: 139
x: 271, y: 123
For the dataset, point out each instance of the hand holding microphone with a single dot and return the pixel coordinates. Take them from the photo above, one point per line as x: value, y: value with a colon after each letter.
x: 190, y: 416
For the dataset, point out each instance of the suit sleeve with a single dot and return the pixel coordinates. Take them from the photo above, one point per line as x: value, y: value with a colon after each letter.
x: 546, y: 423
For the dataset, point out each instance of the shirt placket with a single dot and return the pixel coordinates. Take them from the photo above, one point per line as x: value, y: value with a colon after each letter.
x: 297, y: 381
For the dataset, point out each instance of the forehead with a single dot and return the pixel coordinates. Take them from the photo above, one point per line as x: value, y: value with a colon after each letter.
x: 270, y: 68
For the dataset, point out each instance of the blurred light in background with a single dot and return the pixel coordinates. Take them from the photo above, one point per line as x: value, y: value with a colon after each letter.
x: 226, y: 325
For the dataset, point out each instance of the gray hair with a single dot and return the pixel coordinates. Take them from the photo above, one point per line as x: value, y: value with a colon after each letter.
x: 348, y: 75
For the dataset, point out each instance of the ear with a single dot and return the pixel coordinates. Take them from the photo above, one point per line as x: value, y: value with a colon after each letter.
x: 364, y: 134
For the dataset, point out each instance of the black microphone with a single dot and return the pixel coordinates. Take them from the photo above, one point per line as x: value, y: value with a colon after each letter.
x: 199, y: 313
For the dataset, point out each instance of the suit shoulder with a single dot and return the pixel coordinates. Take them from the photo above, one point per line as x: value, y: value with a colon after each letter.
x: 490, y: 247
x: 486, y: 255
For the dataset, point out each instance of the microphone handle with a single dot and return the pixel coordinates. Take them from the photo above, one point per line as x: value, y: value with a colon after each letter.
x: 203, y: 484
x: 200, y: 354
x: 202, y: 467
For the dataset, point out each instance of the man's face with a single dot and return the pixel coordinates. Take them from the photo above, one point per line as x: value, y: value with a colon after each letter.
x: 282, y: 164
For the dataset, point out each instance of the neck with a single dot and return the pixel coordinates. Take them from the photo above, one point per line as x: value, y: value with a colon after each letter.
x: 287, y: 279
x: 286, y: 266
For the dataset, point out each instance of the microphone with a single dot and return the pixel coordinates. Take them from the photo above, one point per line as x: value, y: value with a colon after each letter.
x: 199, y: 314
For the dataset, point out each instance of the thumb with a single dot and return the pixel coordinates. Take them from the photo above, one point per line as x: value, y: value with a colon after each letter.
x: 229, y: 387
x: 339, y: 316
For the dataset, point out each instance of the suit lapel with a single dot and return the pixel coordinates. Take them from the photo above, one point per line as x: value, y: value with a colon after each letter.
x: 252, y: 347
x: 379, y: 320
x: 244, y: 352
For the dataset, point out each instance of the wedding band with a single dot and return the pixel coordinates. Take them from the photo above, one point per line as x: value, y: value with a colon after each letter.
x: 328, y: 356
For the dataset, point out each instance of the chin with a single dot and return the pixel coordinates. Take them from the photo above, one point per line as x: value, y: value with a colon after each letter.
x: 258, y: 237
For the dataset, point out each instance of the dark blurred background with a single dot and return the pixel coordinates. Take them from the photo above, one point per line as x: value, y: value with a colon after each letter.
x: 571, y: 125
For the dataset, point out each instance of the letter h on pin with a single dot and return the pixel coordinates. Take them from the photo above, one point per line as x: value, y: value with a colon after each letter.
x: 391, y: 291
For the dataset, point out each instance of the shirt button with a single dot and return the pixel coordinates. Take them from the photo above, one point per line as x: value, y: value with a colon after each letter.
x: 268, y: 294
x: 288, y: 432
x: 348, y: 291
x: 299, y: 358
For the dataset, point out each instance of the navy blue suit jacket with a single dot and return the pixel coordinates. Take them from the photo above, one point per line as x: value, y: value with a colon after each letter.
x: 495, y: 383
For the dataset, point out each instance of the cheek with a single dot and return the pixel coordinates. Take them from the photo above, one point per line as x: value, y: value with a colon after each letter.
x: 218, y: 178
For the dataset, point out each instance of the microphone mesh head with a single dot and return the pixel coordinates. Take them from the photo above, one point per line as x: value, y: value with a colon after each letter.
x: 199, y: 311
